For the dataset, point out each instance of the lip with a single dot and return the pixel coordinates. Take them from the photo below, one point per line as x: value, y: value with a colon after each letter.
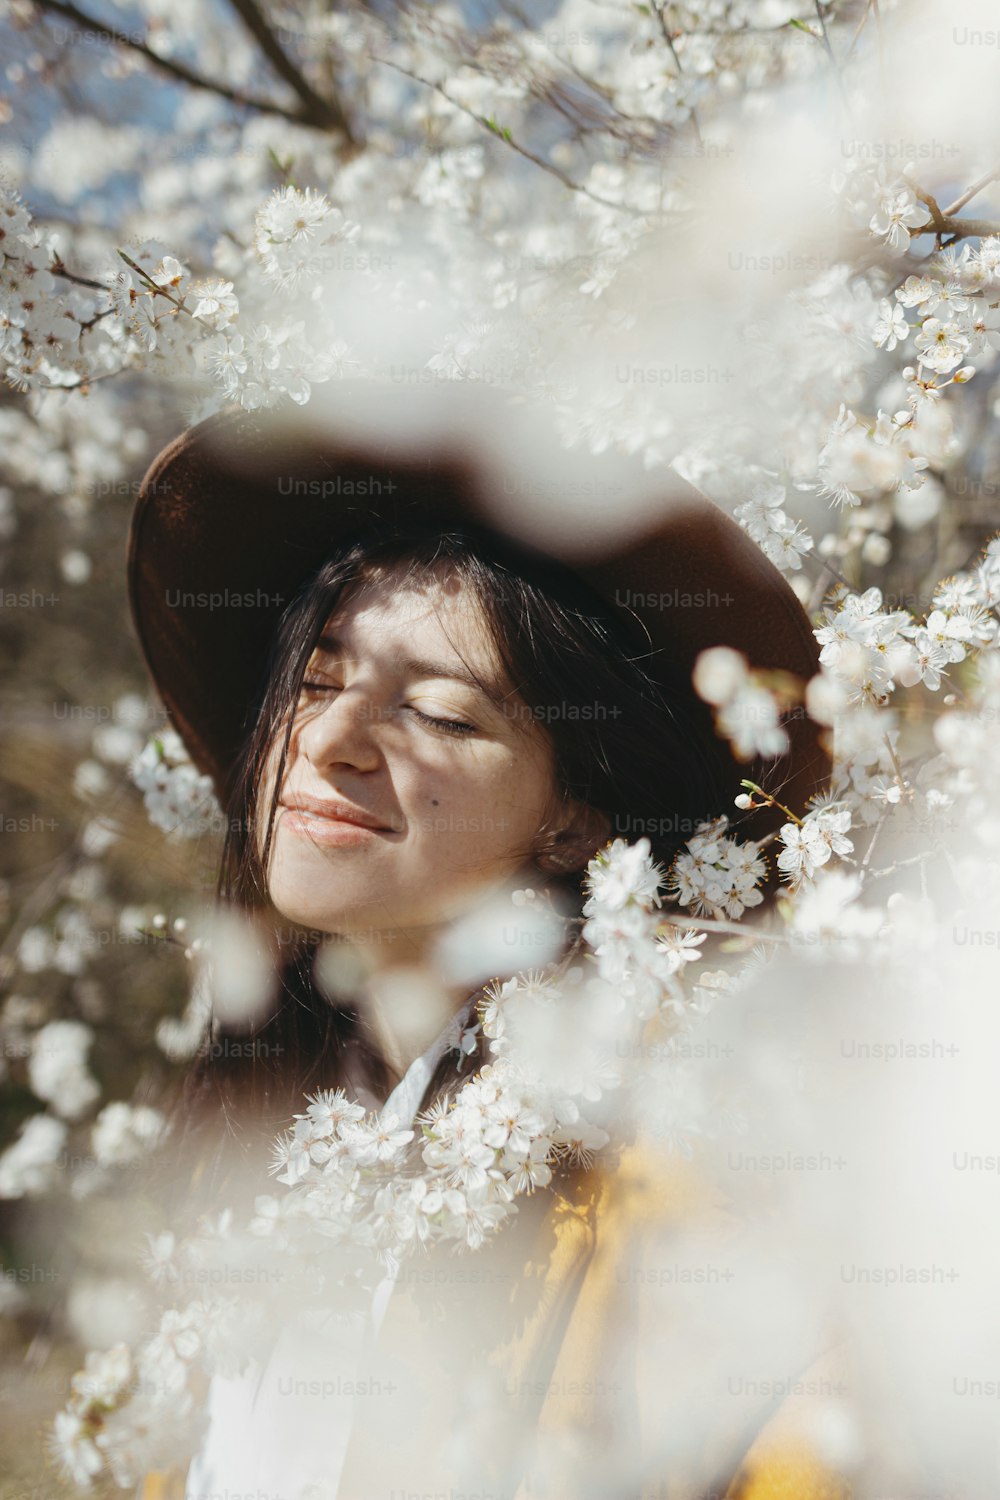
x: 328, y: 821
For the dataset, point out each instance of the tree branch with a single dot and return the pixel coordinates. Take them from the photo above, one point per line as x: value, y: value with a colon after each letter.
x: 172, y: 68
x: 668, y: 38
x: 325, y: 114
x: 657, y: 130
x: 937, y: 218
x: 824, y: 34
x: 58, y: 269
x: 976, y: 187
x: 92, y: 322
x: 84, y: 383
x: 943, y: 221
x: 860, y: 28
x: 828, y: 48
x: 714, y: 924
x: 959, y: 229
x: 508, y: 139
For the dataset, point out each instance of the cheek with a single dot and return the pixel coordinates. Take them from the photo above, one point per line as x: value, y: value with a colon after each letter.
x: 496, y: 811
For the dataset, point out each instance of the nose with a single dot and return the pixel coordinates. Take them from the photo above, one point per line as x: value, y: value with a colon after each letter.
x: 336, y: 731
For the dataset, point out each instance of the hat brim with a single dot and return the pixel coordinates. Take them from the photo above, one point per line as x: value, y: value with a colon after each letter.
x: 237, y: 513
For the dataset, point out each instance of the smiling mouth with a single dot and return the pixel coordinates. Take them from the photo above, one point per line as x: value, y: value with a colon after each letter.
x: 315, y: 817
x: 307, y: 819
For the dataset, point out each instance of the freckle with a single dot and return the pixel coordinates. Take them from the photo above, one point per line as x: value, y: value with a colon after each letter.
x: 434, y: 802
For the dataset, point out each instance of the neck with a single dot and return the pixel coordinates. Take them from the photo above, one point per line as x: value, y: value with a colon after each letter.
x: 394, y: 977
x: 406, y: 1005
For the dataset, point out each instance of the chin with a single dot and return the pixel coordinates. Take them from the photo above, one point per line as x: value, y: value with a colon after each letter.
x: 305, y: 911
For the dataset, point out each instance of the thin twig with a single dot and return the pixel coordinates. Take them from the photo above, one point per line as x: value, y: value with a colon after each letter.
x: 825, y: 563
x: 92, y: 322
x: 771, y: 801
x: 880, y: 43
x: 859, y: 29
x: 866, y: 861
x: 324, y: 113
x: 878, y: 33
x: 712, y: 924
x: 657, y: 130
x: 58, y: 269
x: 83, y: 384
x: 976, y: 187
x: 170, y: 66
x: 508, y: 139
x: 937, y: 217
x: 959, y: 229
x: 829, y: 50
x: 903, y: 864
x: 44, y: 893
x: 825, y: 34
x: 900, y: 778
x: 667, y: 37
x: 154, y: 286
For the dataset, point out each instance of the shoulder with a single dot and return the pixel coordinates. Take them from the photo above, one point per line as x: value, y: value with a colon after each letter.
x: 650, y: 1297
x: 802, y: 1452
x: 163, y: 1484
x: 641, y: 1188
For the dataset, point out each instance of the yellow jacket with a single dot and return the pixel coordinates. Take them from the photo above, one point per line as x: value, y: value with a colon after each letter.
x: 528, y: 1370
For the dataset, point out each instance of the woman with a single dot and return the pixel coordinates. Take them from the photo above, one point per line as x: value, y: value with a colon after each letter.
x: 445, y: 716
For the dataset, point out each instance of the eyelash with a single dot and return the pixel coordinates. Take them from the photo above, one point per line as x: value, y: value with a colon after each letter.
x: 446, y: 726
x: 449, y: 726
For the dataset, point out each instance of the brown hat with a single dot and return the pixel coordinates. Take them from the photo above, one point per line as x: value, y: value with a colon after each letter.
x: 237, y: 513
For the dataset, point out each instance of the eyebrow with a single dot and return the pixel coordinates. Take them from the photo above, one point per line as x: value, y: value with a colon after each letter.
x: 420, y: 666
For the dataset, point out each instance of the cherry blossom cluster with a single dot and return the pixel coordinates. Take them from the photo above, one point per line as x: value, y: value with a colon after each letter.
x: 871, y: 651
x: 764, y: 518
x: 359, y: 1197
x: 178, y: 798
x: 747, y: 712
x: 120, y: 1135
x: 812, y: 841
x: 639, y: 954
x: 39, y: 329
x: 717, y: 875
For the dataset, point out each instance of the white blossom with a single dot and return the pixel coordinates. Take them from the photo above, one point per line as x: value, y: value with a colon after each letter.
x: 31, y: 1165
x: 896, y: 215
x: 124, y: 1133
x: 942, y: 345
x: 57, y: 1070
x: 179, y: 799
x: 811, y: 843
x: 892, y: 327
x: 715, y: 874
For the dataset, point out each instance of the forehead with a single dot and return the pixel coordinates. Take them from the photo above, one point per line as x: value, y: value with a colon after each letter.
x: 434, y: 608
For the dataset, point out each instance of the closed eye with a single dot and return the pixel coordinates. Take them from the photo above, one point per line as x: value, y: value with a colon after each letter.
x: 449, y: 726
x: 445, y: 726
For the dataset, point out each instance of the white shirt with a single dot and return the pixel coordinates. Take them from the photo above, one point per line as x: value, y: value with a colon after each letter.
x: 282, y: 1428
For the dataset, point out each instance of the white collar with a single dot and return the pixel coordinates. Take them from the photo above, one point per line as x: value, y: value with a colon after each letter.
x: 405, y: 1098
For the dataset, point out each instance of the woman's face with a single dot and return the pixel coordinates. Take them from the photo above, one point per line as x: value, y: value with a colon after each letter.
x: 458, y: 786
